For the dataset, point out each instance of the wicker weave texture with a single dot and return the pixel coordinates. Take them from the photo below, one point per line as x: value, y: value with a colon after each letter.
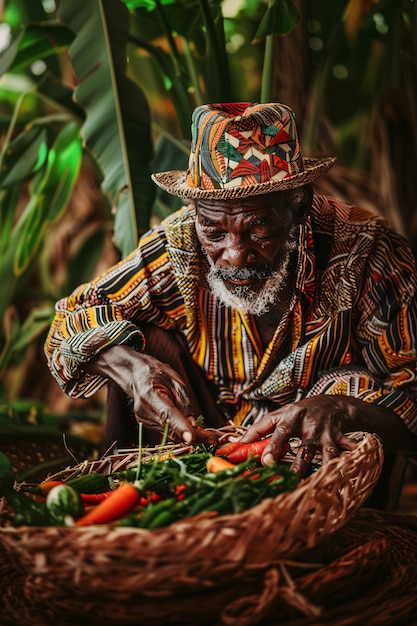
x: 365, y: 575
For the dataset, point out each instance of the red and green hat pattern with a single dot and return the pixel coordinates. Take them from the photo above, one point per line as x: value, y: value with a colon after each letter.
x: 240, y: 144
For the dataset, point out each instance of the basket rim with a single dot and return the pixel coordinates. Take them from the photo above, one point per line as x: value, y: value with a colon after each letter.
x: 367, y: 443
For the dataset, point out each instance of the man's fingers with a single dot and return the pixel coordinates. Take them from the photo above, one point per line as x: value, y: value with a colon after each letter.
x: 180, y: 427
x: 281, y: 432
x: 276, y: 443
x: 329, y: 451
x: 159, y: 408
x: 273, y: 450
x: 260, y: 429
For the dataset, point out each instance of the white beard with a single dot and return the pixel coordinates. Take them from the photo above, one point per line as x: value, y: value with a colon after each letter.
x: 255, y: 302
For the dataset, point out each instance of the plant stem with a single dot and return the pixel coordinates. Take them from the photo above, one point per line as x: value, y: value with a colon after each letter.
x: 268, y: 69
x: 193, y: 74
x: 140, y: 439
x: 166, y: 27
x: 12, y: 124
x: 317, y: 95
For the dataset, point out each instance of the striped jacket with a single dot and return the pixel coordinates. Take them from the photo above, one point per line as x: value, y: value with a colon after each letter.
x: 351, y: 327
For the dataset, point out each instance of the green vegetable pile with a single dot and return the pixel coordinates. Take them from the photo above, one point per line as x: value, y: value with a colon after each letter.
x: 151, y: 495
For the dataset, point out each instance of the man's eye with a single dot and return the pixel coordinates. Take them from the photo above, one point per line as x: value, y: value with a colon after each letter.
x: 260, y: 235
x: 214, y: 234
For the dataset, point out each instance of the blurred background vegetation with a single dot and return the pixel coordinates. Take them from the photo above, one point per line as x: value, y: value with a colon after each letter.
x: 96, y: 95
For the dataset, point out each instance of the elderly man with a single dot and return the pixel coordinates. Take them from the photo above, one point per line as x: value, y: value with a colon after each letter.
x: 258, y: 303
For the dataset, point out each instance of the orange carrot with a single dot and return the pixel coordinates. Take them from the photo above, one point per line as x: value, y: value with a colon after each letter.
x: 217, y: 464
x: 121, y: 501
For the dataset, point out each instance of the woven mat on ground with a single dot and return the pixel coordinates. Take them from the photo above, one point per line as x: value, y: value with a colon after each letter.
x: 365, y: 573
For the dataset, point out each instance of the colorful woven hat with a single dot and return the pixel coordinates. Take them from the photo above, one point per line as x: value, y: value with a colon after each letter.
x: 240, y: 149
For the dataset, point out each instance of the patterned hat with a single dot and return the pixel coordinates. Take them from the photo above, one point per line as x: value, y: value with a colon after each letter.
x: 240, y: 149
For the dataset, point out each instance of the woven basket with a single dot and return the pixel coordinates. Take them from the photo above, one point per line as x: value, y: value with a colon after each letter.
x: 186, y: 572
x: 365, y: 575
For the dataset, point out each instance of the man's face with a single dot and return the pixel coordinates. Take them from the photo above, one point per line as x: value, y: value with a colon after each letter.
x: 248, y: 243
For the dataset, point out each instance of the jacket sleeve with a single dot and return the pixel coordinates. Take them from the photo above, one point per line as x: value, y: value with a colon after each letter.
x: 108, y: 311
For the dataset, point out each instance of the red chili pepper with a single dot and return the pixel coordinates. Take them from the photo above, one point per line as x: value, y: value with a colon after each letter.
x: 253, y: 449
x: 180, y: 492
x: 227, y: 448
x: 151, y: 497
x: 274, y: 478
x: 95, y: 498
x: 252, y: 473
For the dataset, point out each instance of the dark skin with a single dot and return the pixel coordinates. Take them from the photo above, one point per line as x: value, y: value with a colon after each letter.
x: 236, y: 234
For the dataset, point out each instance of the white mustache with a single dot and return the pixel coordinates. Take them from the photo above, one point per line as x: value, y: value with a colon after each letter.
x: 242, y: 273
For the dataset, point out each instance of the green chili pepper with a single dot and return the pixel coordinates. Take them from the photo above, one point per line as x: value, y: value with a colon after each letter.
x: 132, y: 520
x: 154, y: 509
x: 164, y: 518
x: 204, y: 501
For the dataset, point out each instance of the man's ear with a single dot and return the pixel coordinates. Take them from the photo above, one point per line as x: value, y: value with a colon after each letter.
x: 304, y: 206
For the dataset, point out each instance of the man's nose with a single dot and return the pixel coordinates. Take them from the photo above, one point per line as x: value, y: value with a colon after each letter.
x: 237, y: 254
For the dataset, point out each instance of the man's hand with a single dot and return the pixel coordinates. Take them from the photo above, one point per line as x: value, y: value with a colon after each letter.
x: 323, y: 422
x: 320, y: 420
x: 157, y: 391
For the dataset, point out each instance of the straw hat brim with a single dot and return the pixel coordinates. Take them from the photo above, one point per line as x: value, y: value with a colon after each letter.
x: 174, y: 182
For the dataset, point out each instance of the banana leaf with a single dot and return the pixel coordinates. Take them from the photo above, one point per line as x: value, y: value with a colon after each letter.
x: 24, y: 156
x: 117, y: 126
x: 50, y: 191
x: 34, y: 42
x: 280, y: 18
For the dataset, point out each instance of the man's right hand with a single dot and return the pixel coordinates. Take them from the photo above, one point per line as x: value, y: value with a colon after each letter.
x: 157, y: 391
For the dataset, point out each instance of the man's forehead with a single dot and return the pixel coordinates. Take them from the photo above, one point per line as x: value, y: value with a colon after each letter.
x: 250, y: 203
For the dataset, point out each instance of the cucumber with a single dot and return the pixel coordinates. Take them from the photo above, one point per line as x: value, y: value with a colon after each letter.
x: 90, y: 483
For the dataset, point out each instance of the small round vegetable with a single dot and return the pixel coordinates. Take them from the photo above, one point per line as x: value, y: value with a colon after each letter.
x: 63, y: 501
x: 218, y: 464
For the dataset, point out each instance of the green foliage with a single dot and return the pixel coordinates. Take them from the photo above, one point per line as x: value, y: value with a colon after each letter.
x: 24, y: 156
x: 42, y: 153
